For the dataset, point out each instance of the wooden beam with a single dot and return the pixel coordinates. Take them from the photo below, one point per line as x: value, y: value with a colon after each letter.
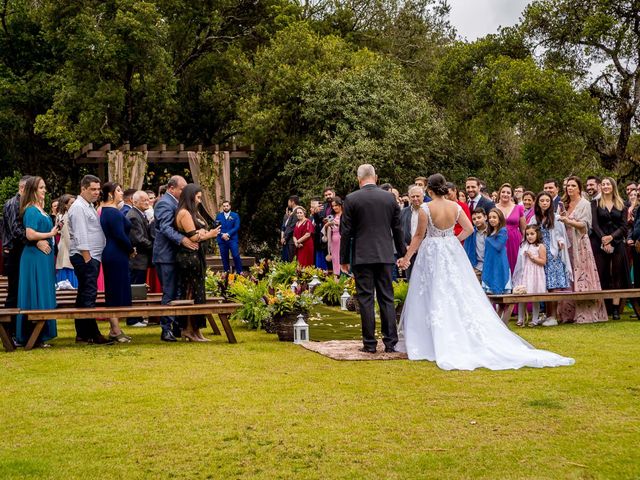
x: 125, y: 147
x: 141, y: 148
x: 105, y: 148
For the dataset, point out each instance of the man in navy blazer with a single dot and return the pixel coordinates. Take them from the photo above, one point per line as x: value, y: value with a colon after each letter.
x: 476, y: 200
x: 165, y: 247
x: 228, y: 239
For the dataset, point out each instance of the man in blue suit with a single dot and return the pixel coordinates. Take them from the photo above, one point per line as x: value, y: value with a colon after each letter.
x: 228, y: 239
x: 165, y: 247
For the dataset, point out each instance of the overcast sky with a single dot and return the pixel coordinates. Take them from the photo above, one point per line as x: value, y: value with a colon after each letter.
x: 476, y: 18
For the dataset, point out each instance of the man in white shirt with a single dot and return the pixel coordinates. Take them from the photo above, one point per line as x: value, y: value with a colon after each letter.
x: 85, y: 252
x: 409, y: 217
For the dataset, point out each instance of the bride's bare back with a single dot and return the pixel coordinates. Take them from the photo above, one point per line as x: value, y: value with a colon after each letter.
x: 444, y: 213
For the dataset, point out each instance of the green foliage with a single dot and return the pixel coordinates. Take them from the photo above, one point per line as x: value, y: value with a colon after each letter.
x: 331, y: 290
x: 8, y: 188
x: 254, y: 310
x: 400, y: 290
x: 283, y: 301
x: 283, y: 273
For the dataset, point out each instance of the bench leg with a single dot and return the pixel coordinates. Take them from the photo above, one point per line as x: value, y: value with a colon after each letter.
x: 214, y: 325
x: 34, y: 336
x: 635, y: 303
x: 224, y: 319
x: 507, y: 310
x: 7, y: 343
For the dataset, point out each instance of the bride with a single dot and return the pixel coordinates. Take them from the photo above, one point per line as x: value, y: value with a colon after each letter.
x: 447, y: 317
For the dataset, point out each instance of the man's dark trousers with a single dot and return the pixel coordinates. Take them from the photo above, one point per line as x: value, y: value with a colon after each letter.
x: 369, y: 278
x: 87, y: 274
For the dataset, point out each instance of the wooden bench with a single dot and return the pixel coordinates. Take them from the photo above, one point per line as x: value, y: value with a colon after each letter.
x: 223, y: 310
x: 507, y: 302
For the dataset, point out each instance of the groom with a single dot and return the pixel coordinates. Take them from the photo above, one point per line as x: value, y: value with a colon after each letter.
x: 369, y: 227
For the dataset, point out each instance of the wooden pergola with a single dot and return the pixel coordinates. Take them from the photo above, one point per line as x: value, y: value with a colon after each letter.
x: 89, y: 155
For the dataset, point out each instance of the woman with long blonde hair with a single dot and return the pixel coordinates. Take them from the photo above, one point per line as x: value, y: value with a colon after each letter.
x: 37, y: 286
x: 610, y: 232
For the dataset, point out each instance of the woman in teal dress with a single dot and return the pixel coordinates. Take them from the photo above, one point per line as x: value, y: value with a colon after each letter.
x: 36, y: 289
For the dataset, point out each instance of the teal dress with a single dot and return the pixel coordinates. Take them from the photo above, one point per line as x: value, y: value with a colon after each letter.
x: 37, y: 286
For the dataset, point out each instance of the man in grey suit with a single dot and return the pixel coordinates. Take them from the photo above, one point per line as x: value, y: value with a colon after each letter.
x: 369, y: 227
x: 165, y: 247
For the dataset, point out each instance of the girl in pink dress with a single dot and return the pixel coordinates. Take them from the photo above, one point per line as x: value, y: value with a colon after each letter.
x: 333, y: 230
x: 529, y: 271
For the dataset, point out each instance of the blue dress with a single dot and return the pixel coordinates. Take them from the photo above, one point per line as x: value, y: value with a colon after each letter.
x: 37, y: 285
x: 554, y: 269
x: 496, y: 274
x: 115, y: 257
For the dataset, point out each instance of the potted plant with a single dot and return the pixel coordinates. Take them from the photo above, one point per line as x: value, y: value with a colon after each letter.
x: 285, y: 306
x: 400, y: 290
x: 331, y: 290
x: 254, y: 311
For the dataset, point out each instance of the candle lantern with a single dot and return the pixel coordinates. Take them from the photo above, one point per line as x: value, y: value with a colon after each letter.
x: 344, y: 298
x: 300, y: 330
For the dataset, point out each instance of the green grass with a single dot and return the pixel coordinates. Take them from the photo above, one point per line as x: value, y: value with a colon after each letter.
x: 264, y: 409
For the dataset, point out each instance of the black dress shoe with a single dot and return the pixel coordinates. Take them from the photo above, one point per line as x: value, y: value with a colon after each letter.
x: 82, y: 340
x: 167, y: 336
x: 367, y: 350
x: 100, y: 340
x: 390, y: 350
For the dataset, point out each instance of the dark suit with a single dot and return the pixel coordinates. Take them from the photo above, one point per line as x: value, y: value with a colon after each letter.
x: 369, y: 227
x: 482, y: 202
x: 405, y: 216
x: 289, y: 247
x: 140, y: 238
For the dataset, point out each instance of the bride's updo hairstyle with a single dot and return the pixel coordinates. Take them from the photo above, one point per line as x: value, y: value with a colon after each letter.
x: 438, y: 184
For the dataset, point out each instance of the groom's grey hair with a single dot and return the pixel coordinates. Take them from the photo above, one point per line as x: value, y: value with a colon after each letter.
x: 366, y: 171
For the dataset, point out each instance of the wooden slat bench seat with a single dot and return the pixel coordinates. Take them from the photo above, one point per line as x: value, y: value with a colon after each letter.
x: 223, y: 310
x: 507, y: 302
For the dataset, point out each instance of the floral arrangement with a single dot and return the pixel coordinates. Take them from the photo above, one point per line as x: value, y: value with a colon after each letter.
x: 283, y: 301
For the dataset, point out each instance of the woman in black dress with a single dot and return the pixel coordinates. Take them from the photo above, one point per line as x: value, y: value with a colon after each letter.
x: 610, y: 230
x: 191, y: 264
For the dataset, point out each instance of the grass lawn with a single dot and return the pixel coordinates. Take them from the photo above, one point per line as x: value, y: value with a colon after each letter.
x: 265, y: 409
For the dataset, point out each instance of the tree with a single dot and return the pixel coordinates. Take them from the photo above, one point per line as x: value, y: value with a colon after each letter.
x: 584, y: 34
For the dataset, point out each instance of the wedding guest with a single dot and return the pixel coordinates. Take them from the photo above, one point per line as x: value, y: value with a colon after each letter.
x: 632, y: 254
x: 36, y: 289
x: 516, y: 223
x: 593, y: 187
x: 115, y: 256
x: 64, y: 269
x: 192, y: 264
x: 528, y: 202
x: 577, y: 220
x: 142, y: 243
x: 127, y: 201
x: 319, y: 239
x: 462, y: 197
x: 13, y: 241
x: 152, y: 200
x: 518, y: 193
x: 409, y: 219
x: 610, y: 230
x: 228, y: 239
x: 476, y: 200
x: 288, y: 225
x: 496, y: 275
x: 552, y: 188
x: 629, y: 188
x: 558, y: 268
x: 422, y: 183
x: 333, y: 237
x: 86, y: 246
x: 328, y: 194
x: 474, y: 245
x: 165, y: 247
x: 494, y: 196
x: 453, y: 196
x: 635, y: 238
x: 529, y: 271
x: 303, y: 237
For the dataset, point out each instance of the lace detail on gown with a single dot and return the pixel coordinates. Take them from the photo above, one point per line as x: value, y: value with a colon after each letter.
x: 447, y: 317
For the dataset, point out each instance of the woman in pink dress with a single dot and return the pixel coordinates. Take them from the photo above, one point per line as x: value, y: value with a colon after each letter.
x: 333, y: 235
x: 577, y: 220
x: 303, y: 238
x: 516, y: 223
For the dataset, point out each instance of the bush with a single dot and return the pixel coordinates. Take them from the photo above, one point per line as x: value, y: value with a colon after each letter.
x: 254, y: 310
x: 9, y: 187
x: 283, y: 273
x: 331, y: 290
x: 400, y: 290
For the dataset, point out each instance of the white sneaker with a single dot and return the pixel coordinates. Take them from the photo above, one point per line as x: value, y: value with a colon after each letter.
x: 550, y: 322
x: 138, y: 325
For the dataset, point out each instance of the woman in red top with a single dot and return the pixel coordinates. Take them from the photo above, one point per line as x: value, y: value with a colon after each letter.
x: 453, y: 196
x: 303, y: 238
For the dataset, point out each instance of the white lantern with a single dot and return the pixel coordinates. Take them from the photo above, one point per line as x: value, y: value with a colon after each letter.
x: 344, y: 298
x: 294, y: 286
x: 315, y: 281
x: 300, y: 330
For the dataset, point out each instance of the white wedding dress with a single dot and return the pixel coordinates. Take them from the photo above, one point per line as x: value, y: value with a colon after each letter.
x: 448, y: 319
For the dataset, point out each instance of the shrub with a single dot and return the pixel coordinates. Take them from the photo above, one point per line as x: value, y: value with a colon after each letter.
x: 400, y: 290
x: 283, y: 273
x: 254, y: 311
x: 331, y: 290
